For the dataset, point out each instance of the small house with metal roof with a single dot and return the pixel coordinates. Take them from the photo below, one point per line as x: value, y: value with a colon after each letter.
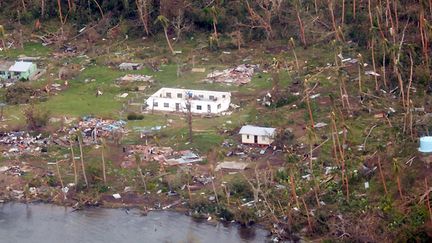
x: 257, y: 135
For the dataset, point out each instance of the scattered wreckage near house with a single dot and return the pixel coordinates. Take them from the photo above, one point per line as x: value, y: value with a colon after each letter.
x: 178, y: 100
x: 239, y: 75
x: 257, y: 135
x: 92, y: 130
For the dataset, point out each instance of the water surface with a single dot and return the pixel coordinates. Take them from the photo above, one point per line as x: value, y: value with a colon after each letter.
x: 52, y: 224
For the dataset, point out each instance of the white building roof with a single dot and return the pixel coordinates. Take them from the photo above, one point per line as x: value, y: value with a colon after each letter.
x: 259, y: 131
x: 20, y: 67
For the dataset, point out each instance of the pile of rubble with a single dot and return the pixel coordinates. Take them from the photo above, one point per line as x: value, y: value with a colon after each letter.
x: 239, y: 75
x: 130, y: 78
x: 17, y: 143
x: 165, y: 155
x: 13, y: 170
x: 94, y: 128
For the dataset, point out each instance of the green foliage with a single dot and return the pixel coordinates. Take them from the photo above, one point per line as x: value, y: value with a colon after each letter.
x: 20, y: 93
x: 36, y: 118
x: 134, y: 116
x: 240, y: 188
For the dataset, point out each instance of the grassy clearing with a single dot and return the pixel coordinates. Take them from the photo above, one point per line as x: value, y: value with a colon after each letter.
x: 31, y: 49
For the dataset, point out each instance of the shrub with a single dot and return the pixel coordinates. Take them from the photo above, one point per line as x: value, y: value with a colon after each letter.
x: 134, y: 116
x: 20, y: 93
x: 36, y: 118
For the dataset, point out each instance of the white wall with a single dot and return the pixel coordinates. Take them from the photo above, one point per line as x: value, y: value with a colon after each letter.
x: 264, y: 140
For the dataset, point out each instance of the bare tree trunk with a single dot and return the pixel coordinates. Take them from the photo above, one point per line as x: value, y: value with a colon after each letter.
x: 103, y: 163
x: 382, y: 175
x: 189, y: 111
x: 99, y: 7
x: 301, y: 27
x: 343, y: 13
x: 143, y: 10
x: 373, y: 63
x: 81, y: 157
x: 293, y: 190
x: 399, y: 186
x: 307, y: 215
x: 138, y: 162
x: 42, y: 8
x: 354, y: 9
x: 24, y: 6
x: 428, y: 199
x: 74, y: 164
x: 335, y: 28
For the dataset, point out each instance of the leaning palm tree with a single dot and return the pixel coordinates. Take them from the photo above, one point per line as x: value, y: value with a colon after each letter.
x: 165, y: 23
x: 80, y: 139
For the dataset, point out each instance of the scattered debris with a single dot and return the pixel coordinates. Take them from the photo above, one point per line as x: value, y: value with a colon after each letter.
x: 129, y: 78
x: 17, y: 143
x: 116, y: 196
x: 239, y: 75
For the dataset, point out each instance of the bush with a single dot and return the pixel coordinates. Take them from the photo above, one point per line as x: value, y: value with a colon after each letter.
x: 20, y: 93
x: 134, y: 116
x: 36, y: 118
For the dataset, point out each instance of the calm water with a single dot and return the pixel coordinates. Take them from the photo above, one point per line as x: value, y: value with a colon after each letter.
x: 52, y: 224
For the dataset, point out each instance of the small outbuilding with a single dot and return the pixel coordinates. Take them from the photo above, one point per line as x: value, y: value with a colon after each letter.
x: 22, y: 70
x: 257, y: 135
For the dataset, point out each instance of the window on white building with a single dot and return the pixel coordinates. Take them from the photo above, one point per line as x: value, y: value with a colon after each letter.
x: 211, y: 97
x: 166, y: 105
x: 199, y: 107
x: 219, y: 106
x: 168, y: 95
x: 155, y: 104
x: 179, y: 95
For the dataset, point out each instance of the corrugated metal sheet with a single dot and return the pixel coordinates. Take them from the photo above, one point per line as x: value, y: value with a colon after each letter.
x: 20, y: 67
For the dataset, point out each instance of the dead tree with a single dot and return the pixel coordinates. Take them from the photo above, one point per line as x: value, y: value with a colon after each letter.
x: 262, y: 17
x: 180, y: 24
x: 143, y: 7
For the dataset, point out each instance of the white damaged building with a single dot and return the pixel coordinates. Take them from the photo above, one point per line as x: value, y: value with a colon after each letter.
x: 177, y: 100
